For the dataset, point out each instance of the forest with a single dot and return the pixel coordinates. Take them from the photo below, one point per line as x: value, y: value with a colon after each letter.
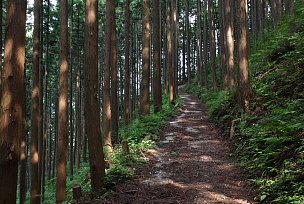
x: 177, y: 101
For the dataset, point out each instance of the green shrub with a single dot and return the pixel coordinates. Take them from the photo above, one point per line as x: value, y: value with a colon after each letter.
x: 269, y: 138
x: 141, y: 135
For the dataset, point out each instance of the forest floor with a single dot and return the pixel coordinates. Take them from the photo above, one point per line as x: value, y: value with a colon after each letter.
x: 191, y: 164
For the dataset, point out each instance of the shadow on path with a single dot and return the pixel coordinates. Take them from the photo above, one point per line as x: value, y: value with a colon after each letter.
x: 189, y: 165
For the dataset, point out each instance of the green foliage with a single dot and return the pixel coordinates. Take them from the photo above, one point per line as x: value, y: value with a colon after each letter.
x: 144, y: 129
x: 141, y: 135
x: 270, y: 137
x: 118, y: 174
x: 213, y: 100
x: 81, y: 177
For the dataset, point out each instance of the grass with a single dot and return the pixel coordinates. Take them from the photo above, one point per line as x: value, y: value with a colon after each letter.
x: 269, y: 139
x: 141, y: 135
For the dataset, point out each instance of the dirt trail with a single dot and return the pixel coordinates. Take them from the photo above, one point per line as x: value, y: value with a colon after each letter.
x: 190, y: 165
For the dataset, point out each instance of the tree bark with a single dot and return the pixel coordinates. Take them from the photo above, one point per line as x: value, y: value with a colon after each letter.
x: 127, y: 64
x: 41, y: 144
x: 92, y: 116
x: 157, y: 56
x: 35, y: 195
x: 55, y: 158
x: 229, y: 30
x: 188, y: 41
x: 205, y: 38
x: 145, y: 82
x: 79, y: 98
x: 13, y: 99
x: 23, y: 163
x: 71, y: 122
x: 1, y: 44
x: 107, y: 77
x: 292, y: 8
x: 243, y: 72
x: 170, y: 53
x: 63, y: 104
x: 114, y: 79
x: 184, y: 51
x: 51, y: 158
x: 175, y: 33
x: 199, y: 42
x: 222, y: 43
x: 276, y: 11
x: 261, y: 20
x: 132, y: 69
x: 49, y: 164
x: 212, y: 44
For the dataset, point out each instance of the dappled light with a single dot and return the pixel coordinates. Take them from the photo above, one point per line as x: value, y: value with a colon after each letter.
x: 91, y: 15
x: 34, y: 159
x: 23, y: 154
x: 62, y: 103
x: 190, y: 165
x: 152, y: 101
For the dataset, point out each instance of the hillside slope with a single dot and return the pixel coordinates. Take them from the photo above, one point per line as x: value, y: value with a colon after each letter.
x: 269, y: 139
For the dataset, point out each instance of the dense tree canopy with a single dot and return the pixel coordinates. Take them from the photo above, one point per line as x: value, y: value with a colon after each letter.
x: 93, y: 67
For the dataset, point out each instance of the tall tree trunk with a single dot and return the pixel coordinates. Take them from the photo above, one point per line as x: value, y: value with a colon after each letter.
x: 145, y: 82
x: 78, y: 120
x: 157, y: 56
x: 205, y: 38
x: 92, y: 118
x: 292, y: 8
x: 184, y: 51
x: 229, y: 30
x: 127, y: 64
x: 199, y: 42
x: 169, y: 52
x: 261, y: 20
x: 50, y: 104
x: 23, y: 163
x: 83, y: 132
x: 138, y: 50
x: 276, y: 11
x: 135, y: 62
x: 55, y: 158
x: 107, y: 77
x: 243, y: 72
x: 222, y: 43
x: 188, y: 41
x: 13, y: 99
x: 1, y: 44
x: 35, y: 189
x: 51, y: 158
x: 212, y: 44
x: 78, y: 91
x: 40, y: 120
x: 165, y: 42
x: 44, y: 105
x: 45, y: 108
x: 45, y: 135
x: 114, y: 78
x: 132, y: 68
x: 63, y: 104
x: 175, y: 26
x: 84, y: 145
x: 71, y: 123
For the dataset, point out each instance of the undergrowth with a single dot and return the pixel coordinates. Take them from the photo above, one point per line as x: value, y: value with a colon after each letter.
x: 141, y: 135
x: 270, y: 137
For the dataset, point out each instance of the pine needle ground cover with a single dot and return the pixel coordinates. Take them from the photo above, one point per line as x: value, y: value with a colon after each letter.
x: 269, y: 139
